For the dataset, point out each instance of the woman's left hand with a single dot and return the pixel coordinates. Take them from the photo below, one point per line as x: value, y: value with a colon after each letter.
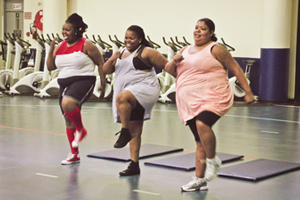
x: 101, y: 89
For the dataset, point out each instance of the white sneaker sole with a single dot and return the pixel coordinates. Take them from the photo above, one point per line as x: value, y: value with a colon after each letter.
x: 193, y: 190
x: 69, y: 163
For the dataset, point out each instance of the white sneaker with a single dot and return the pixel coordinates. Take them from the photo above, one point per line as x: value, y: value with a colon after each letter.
x: 212, y: 167
x: 71, y: 159
x: 195, y: 184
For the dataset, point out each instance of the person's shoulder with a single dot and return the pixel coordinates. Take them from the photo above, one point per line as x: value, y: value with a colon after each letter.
x: 87, y: 41
x: 89, y: 44
x: 218, y: 48
x: 146, y: 48
x: 149, y: 50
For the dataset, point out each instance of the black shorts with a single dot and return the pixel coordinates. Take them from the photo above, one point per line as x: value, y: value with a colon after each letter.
x: 207, y: 117
x: 78, y: 88
x: 137, y: 113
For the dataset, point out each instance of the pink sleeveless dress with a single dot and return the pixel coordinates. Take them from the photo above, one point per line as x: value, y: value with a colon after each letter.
x: 201, y: 85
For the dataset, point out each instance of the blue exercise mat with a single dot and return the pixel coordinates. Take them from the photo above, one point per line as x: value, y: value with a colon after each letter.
x: 186, y: 162
x: 146, y: 151
x: 258, y: 169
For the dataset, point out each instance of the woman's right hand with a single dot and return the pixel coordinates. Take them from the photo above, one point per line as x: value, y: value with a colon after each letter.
x: 178, y: 58
x: 52, y: 45
x: 116, y: 55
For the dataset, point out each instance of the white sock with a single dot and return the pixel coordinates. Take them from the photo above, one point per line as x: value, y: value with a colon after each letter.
x: 211, y: 160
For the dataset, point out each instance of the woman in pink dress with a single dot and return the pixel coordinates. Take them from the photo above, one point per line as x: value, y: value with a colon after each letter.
x: 203, y: 95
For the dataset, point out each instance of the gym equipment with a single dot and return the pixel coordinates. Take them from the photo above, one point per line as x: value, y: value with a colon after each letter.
x: 234, y: 85
x: 117, y: 44
x: 258, y: 169
x: 166, y: 80
x: 103, y: 48
x: 29, y: 83
x: 6, y: 75
x: 49, y: 85
x: 169, y: 94
x: 186, y: 162
x: 147, y: 150
x: 153, y: 44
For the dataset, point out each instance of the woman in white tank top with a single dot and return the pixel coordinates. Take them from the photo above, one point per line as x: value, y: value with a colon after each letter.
x: 136, y: 90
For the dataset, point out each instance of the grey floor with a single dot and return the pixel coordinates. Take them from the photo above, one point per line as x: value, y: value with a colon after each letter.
x: 33, y: 142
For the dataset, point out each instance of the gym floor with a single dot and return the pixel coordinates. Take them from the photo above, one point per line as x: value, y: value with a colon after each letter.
x: 33, y: 143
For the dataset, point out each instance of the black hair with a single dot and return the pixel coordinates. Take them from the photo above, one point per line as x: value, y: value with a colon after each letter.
x: 211, y: 27
x: 140, y: 33
x: 78, y: 24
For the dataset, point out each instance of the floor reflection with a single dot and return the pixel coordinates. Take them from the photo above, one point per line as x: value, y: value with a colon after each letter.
x: 134, y: 185
x: 72, y: 189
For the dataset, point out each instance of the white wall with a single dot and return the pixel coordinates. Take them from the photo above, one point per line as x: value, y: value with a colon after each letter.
x: 237, y: 21
x: 32, y: 6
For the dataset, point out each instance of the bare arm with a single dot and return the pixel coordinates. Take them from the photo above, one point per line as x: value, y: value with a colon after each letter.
x: 154, y: 57
x: 223, y: 56
x: 172, y: 65
x: 93, y: 52
x: 109, y: 65
x: 51, y: 56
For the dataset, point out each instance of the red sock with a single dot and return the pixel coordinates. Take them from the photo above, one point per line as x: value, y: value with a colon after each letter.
x: 71, y: 136
x: 75, y: 117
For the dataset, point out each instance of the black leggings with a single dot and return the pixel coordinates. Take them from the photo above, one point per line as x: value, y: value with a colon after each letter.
x: 207, y: 117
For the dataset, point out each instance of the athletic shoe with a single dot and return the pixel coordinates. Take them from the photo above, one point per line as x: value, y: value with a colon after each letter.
x: 212, y: 166
x: 71, y: 159
x: 79, y: 135
x: 133, y: 169
x: 124, y: 138
x: 195, y: 184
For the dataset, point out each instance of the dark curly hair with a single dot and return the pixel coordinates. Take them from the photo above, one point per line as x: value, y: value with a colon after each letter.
x: 211, y: 26
x: 78, y: 24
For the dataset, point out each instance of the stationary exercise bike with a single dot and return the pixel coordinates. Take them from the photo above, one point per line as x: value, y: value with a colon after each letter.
x: 2, y: 53
x: 103, y: 48
x: 20, y: 49
x: 6, y: 75
x: 233, y: 82
x: 49, y: 85
x: 29, y: 83
x: 167, y: 81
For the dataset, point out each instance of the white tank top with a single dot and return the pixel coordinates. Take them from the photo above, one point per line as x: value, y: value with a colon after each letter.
x: 72, y: 61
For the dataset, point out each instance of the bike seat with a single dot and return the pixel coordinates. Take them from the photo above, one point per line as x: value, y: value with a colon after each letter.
x: 249, y: 62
